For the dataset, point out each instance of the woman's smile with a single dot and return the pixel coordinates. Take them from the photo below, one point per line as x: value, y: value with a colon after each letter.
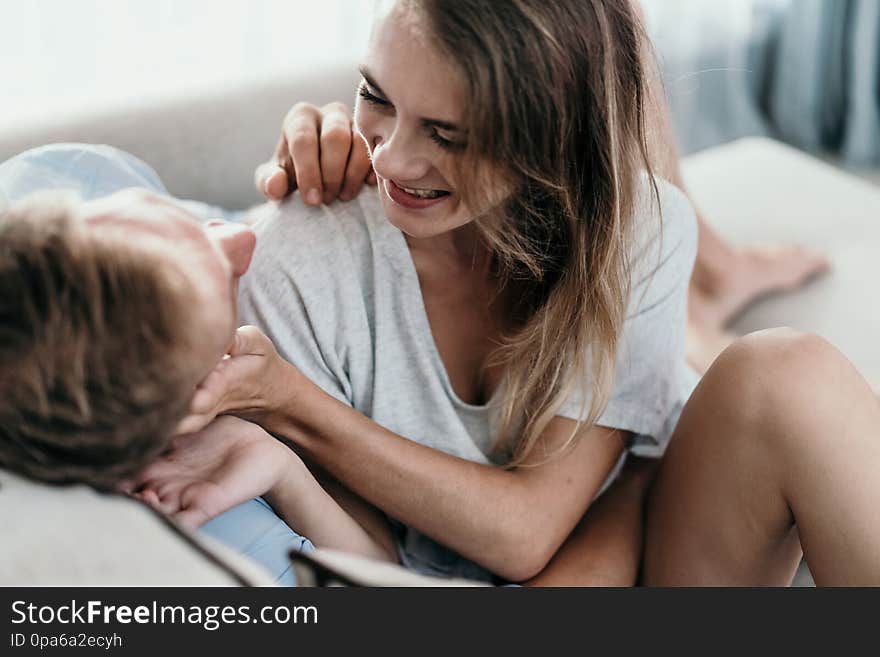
x: 413, y: 198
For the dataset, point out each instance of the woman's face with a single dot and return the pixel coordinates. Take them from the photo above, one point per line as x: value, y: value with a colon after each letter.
x: 409, y: 112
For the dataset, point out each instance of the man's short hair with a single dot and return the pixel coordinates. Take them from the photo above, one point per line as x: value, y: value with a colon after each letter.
x: 95, y: 364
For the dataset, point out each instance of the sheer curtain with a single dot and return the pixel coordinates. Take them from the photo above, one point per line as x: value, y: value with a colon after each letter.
x: 64, y: 56
x: 804, y: 71
x: 713, y: 56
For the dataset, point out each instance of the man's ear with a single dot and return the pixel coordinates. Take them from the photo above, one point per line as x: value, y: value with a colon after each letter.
x: 237, y: 241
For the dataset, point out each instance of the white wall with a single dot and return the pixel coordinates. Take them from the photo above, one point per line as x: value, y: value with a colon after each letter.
x: 75, y: 56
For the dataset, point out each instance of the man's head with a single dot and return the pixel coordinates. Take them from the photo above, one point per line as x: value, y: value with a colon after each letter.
x: 111, y: 312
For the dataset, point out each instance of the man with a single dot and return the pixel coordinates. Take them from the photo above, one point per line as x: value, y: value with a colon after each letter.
x: 112, y: 310
x: 114, y: 307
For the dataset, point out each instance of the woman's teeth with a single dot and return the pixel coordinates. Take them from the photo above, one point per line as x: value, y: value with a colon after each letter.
x: 424, y: 193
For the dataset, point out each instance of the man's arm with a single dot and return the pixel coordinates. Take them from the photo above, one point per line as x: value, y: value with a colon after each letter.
x: 231, y: 461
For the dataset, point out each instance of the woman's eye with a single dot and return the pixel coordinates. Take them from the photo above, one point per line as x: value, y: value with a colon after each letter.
x: 440, y: 140
x: 445, y: 142
x: 372, y: 98
x: 435, y: 136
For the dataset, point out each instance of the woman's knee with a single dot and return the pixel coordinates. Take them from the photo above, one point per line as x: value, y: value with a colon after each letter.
x: 784, y: 361
x: 773, y: 377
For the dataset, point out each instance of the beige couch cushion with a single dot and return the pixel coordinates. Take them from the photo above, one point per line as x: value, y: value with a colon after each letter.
x: 73, y: 536
x: 760, y: 191
x: 204, y: 146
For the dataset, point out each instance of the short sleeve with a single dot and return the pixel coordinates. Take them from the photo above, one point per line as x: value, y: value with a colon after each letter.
x: 652, y: 378
x: 291, y: 295
x: 90, y: 170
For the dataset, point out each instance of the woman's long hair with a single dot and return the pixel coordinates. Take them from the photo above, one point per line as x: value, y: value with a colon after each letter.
x: 556, y: 92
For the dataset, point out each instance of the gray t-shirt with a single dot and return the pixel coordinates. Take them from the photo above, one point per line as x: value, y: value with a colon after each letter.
x: 336, y: 290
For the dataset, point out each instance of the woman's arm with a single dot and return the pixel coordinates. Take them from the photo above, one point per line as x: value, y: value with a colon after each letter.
x: 510, y: 521
x: 605, y: 549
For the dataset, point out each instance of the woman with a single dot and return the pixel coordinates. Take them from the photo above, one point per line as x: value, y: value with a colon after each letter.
x: 509, y: 147
x: 319, y: 153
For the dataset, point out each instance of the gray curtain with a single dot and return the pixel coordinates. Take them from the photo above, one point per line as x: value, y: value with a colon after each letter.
x: 712, y: 56
x: 862, y: 134
x: 804, y: 71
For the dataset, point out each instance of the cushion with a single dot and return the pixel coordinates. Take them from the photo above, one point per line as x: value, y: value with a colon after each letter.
x: 757, y: 191
x: 75, y: 536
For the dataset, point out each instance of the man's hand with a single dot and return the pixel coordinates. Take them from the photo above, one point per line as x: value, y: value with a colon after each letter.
x: 206, y: 473
x: 319, y: 153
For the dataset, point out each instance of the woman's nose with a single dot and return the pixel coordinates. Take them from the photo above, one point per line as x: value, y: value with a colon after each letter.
x: 398, y: 158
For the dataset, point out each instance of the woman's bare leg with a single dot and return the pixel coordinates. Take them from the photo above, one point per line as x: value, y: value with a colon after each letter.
x: 727, y: 278
x: 782, y: 437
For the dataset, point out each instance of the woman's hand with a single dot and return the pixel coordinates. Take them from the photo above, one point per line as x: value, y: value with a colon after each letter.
x: 319, y: 153
x: 249, y: 382
x: 211, y: 471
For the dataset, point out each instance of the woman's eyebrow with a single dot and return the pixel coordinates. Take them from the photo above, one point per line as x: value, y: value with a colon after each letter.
x: 438, y: 123
x: 370, y: 81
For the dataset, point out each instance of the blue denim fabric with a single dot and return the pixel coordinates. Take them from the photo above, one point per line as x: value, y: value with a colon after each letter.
x: 253, y: 529
x: 92, y: 171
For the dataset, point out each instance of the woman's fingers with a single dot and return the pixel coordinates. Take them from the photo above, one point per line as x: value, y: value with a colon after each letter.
x: 301, y: 132
x: 194, y: 422
x: 336, y: 144
x: 271, y: 180
x: 275, y: 178
x: 204, y: 406
x: 278, y: 183
x: 209, y: 394
x: 248, y: 341
x: 233, y: 382
x: 319, y: 154
x: 359, y: 167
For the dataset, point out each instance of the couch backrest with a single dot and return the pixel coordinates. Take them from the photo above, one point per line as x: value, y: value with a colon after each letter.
x: 204, y: 147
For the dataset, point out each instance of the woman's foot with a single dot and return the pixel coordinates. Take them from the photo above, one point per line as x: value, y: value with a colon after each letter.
x: 721, y: 289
